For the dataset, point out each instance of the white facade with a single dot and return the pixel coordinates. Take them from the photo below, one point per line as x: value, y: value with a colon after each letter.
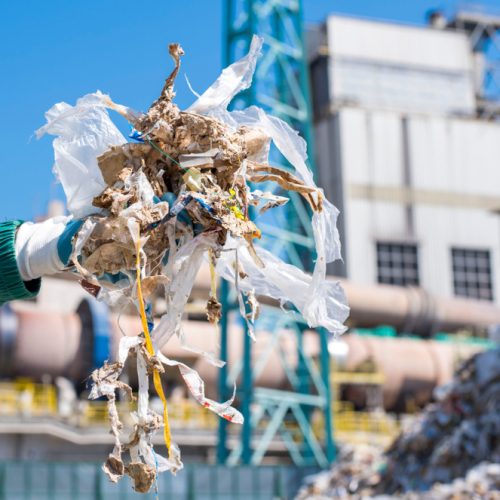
x: 399, y: 67
x: 408, y: 171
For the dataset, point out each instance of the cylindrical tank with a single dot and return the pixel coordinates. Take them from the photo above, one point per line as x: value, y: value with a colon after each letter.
x: 38, y: 343
x: 44, y: 343
x: 35, y: 343
x: 201, y: 336
x: 412, y: 368
x: 408, y: 309
x: 414, y: 310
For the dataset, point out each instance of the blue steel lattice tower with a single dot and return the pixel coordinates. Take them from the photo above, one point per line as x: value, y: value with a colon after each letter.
x: 281, y: 87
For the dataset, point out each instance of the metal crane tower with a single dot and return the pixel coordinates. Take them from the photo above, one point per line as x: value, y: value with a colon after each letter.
x: 281, y: 87
x: 482, y: 25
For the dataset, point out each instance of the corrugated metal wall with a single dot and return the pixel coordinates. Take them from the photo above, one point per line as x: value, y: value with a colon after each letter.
x: 86, y: 481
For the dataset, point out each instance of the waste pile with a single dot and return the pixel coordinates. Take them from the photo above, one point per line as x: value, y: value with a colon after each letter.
x: 353, y: 476
x: 184, y: 190
x: 451, y: 451
x: 482, y: 482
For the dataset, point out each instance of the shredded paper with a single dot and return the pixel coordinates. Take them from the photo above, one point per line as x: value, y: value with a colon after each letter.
x: 181, y: 192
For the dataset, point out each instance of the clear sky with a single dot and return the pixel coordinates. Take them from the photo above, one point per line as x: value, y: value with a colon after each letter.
x: 59, y: 50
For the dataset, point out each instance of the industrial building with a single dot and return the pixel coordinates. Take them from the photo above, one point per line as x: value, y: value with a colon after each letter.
x: 408, y: 155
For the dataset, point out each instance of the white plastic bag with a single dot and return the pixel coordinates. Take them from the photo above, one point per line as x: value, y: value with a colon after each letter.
x: 321, y: 303
x: 84, y: 132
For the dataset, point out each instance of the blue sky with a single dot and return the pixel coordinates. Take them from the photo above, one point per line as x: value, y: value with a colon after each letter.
x: 58, y: 50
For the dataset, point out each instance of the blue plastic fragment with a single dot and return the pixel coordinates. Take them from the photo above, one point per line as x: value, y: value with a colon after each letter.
x: 135, y: 135
x: 149, y: 316
x: 177, y: 206
x: 203, y: 204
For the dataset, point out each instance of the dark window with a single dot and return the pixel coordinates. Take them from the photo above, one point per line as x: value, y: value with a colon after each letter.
x: 397, y: 264
x: 472, y: 273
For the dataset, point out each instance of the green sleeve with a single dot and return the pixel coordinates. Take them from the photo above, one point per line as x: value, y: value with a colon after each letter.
x: 12, y: 286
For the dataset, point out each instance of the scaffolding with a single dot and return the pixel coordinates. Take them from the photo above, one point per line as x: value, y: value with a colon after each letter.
x: 281, y: 86
x: 483, y: 28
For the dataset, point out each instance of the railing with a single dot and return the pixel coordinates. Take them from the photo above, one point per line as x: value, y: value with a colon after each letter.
x: 185, y: 414
x: 359, y: 427
x: 25, y: 398
x: 339, y: 378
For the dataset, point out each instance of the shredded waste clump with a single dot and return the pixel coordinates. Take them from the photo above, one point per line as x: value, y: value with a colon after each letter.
x: 154, y: 209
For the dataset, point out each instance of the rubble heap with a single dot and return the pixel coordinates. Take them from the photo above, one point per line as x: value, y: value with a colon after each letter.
x: 354, y: 475
x: 156, y: 208
x: 452, y: 435
x: 451, y: 451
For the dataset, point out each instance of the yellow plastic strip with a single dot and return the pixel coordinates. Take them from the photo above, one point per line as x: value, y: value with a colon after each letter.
x: 213, y: 276
x: 150, y: 348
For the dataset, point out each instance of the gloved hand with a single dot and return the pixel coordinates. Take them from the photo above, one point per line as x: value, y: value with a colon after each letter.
x: 44, y: 248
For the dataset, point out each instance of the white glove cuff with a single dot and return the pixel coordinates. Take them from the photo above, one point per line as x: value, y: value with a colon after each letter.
x: 36, y: 248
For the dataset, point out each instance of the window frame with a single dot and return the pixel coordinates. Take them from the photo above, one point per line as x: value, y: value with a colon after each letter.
x: 472, y: 257
x: 402, y: 263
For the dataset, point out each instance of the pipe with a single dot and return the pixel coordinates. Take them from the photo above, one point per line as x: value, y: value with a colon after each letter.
x: 407, y: 309
x: 412, y: 368
x: 38, y: 343
x: 45, y: 343
x: 413, y: 310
